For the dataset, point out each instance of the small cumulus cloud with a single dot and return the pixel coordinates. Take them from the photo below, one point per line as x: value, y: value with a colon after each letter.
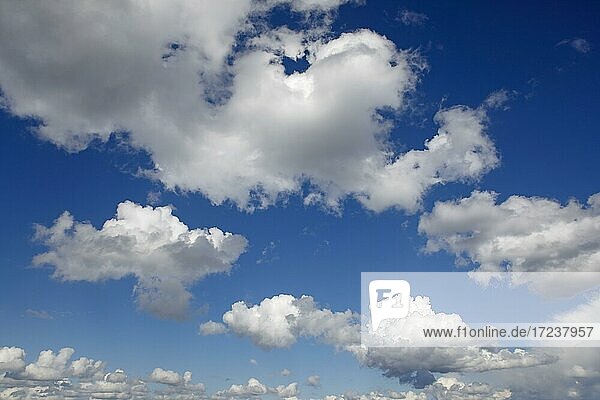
x: 212, y: 328
x: 255, y: 388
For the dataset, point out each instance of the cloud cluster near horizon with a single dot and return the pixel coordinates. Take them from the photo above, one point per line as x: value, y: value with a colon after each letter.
x: 57, y: 376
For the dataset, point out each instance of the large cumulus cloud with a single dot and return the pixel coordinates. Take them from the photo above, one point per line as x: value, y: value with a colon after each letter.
x: 201, y: 87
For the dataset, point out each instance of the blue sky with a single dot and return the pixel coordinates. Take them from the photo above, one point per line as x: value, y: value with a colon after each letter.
x: 546, y: 137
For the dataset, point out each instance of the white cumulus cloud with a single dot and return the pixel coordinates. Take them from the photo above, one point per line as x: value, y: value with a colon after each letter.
x: 49, y: 366
x: 228, y: 123
x: 520, y: 234
x: 12, y: 359
x: 252, y: 388
x: 54, y: 376
x: 167, y: 377
x: 152, y: 244
x: 212, y: 328
x: 277, y: 322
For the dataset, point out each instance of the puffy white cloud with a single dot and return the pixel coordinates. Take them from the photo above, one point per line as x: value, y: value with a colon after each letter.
x: 266, y: 324
x: 111, y: 389
x: 166, y: 377
x: 118, y: 376
x: 255, y: 388
x: 287, y: 391
x: 12, y: 359
x: 49, y: 366
x: 103, y: 68
x: 313, y: 380
x: 252, y: 388
x: 179, y: 386
x: 231, y: 124
x: 278, y: 322
x: 212, y: 328
x: 285, y: 372
x: 459, y: 151
x: 53, y: 376
x: 149, y: 243
x: 85, y: 368
x: 521, y: 233
x: 32, y: 392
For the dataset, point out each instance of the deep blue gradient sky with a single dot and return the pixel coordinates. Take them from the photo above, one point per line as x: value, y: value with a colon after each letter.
x: 548, y: 142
